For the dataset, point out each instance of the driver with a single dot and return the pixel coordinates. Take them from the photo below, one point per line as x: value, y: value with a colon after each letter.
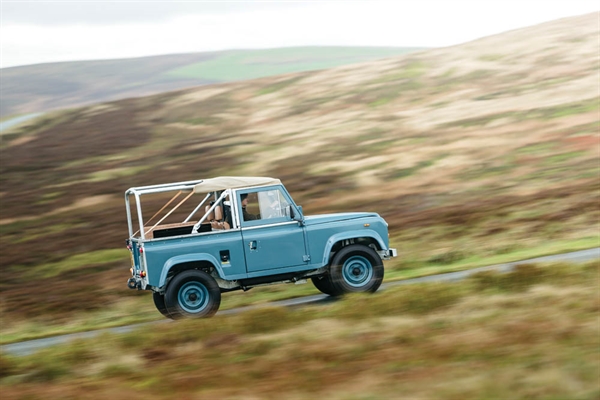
x: 246, y: 215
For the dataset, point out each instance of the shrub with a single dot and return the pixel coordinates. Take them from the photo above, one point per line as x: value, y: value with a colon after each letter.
x: 426, y: 298
x: 116, y: 370
x: 413, y: 299
x: 263, y: 319
x: 447, y: 257
x: 47, y: 371
x: 7, y: 366
x: 523, y: 276
x: 519, y: 279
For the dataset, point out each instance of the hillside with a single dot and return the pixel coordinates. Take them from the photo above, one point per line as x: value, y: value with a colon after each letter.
x: 471, y: 152
x: 43, y: 87
x: 530, y: 334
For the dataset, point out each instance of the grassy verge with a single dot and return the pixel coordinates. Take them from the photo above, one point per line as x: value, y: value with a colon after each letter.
x: 474, y: 261
x: 532, y: 333
x: 140, y: 308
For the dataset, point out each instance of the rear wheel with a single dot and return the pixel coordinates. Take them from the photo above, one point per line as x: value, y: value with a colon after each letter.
x: 192, y: 294
x: 323, y: 283
x: 159, y: 302
x: 356, y: 268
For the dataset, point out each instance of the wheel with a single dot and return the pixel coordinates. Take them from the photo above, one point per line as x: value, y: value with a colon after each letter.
x: 356, y: 268
x: 192, y: 294
x: 323, y: 283
x: 159, y: 302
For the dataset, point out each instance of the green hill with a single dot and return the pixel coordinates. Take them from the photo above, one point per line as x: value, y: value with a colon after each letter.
x: 51, y: 86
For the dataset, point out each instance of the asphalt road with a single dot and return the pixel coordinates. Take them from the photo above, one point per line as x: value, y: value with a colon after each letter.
x: 30, y: 346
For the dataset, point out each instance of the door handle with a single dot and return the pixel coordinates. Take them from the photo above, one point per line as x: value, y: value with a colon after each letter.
x: 252, y: 245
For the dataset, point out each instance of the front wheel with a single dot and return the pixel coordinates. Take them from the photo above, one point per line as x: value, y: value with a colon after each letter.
x: 355, y: 269
x: 192, y: 294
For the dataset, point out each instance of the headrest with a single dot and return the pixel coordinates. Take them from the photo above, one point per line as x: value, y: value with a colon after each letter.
x: 209, y: 216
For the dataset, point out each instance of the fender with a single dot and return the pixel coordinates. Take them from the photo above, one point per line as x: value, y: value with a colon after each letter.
x: 171, y: 262
x: 350, y: 235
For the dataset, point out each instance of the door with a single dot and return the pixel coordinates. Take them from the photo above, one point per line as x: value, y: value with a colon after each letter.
x: 272, y: 240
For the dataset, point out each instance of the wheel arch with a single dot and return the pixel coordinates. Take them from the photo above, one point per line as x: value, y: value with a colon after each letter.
x: 342, y: 239
x: 177, y: 264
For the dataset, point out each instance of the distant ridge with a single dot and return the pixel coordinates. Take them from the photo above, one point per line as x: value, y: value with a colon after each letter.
x: 49, y: 86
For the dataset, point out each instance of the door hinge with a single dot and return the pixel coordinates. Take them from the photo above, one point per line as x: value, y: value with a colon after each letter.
x: 306, y: 258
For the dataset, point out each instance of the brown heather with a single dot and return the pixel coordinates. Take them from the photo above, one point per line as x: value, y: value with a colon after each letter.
x: 473, y: 151
x: 539, y: 342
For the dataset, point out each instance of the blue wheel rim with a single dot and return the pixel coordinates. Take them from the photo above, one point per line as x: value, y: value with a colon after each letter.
x: 357, y: 271
x: 193, y: 297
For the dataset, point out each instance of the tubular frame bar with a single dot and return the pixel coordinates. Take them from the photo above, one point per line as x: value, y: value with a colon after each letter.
x: 211, y: 209
x: 128, y: 209
x: 170, y: 212
x: 138, y: 203
x: 167, y: 186
x: 197, y: 208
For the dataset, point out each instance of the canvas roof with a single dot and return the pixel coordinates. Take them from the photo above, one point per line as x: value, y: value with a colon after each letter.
x: 233, y: 182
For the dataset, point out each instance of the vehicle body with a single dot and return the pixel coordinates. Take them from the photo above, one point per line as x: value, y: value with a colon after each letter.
x: 220, y: 246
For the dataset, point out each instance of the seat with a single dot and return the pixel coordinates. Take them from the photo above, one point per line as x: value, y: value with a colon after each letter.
x: 216, y: 219
x: 209, y: 216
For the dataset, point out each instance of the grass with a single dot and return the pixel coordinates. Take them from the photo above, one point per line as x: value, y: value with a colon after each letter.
x: 76, y: 261
x: 109, y: 174
x: 542, y: 113
x: 202, y: 121
x: 562, y: 157
x: 486, y: 170
x: 531, y: 333
x: 491, y: 57
x: 460, y: 262
x: 305, y: 133
x: 413, y: 70
x: 56, y: 228
x: 537, y: 148
x: 571, y: 109
x: 405, y: 172
x: 139, y: 308
x: 275, y: 87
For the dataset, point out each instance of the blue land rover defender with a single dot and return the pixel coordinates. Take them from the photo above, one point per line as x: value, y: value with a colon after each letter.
x: 241, y: 232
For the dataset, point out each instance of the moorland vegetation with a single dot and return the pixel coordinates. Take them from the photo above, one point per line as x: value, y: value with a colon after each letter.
x: 478, y: 153
x: 532, y: 333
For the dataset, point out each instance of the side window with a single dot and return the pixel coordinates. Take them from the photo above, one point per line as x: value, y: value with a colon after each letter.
x: 264, y: 205
x: 250, y: 206
x: 272, y: 204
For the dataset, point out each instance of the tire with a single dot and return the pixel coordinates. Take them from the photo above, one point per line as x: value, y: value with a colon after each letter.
x: 356, y: 269
x: 192, y: 294
x: 159, y: 302
x: 323, y: 283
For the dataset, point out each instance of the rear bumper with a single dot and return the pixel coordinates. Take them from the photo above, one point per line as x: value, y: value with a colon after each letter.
x: 388, y: 254
x: 137, y: 283
x: 133, y: 283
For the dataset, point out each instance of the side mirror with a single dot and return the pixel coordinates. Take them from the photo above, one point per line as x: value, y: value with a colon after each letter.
x: 299, y: 216
x: 291, y: 212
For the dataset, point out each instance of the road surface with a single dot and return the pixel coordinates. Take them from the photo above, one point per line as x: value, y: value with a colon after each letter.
x: 30, y: 346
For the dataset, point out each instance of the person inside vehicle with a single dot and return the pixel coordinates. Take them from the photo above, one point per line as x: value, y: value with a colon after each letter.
x: 245, y: 214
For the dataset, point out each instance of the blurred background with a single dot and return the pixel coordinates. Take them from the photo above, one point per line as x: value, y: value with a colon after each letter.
x: 471, y: 127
